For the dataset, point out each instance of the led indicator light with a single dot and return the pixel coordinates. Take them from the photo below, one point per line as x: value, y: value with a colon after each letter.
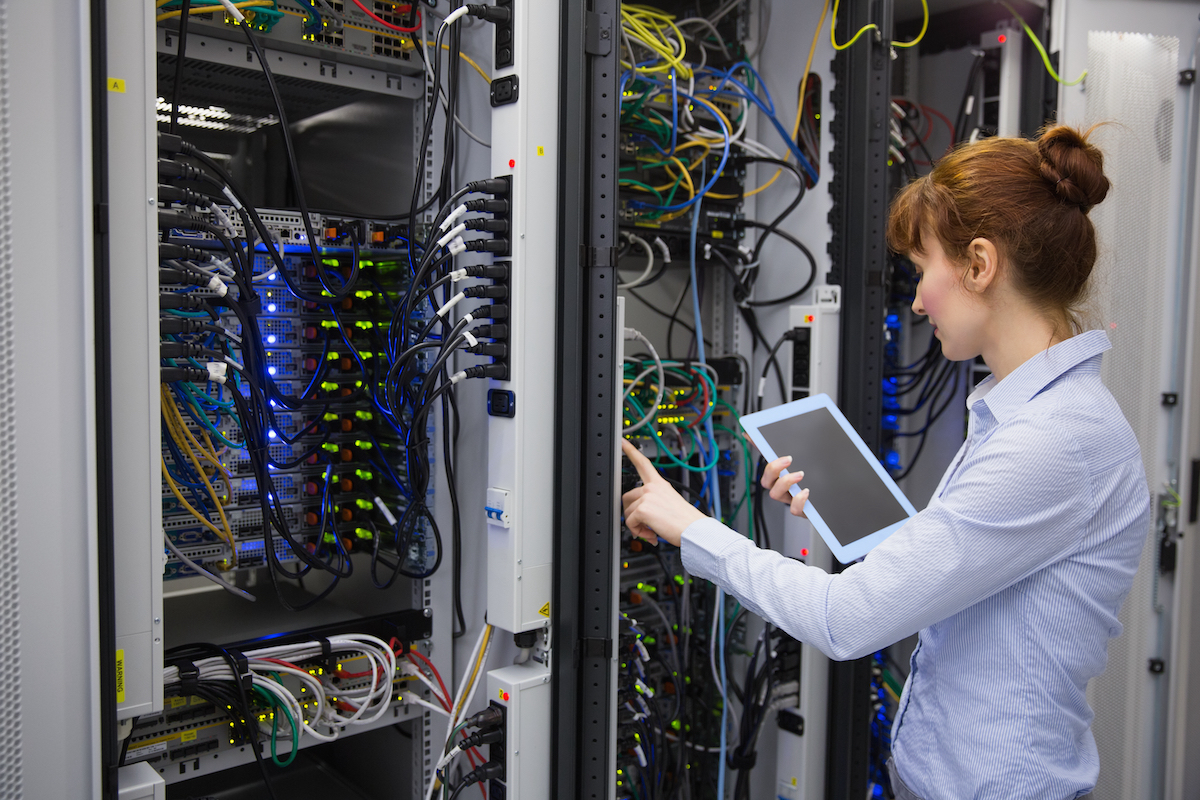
x: 512, y: 162
x: 270, y: 340
x: 271, y: 370
x: 804, y: 552
x: 809, y: 317
x: 1002, y: 38
x: 271, y: 307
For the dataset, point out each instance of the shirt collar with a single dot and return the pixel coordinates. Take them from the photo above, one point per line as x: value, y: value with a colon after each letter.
x: 1003, y: 398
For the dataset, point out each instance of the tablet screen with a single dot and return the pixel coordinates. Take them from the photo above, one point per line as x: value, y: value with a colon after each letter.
x: 843, y: 487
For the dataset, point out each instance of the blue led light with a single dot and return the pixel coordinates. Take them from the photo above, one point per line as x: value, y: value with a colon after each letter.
x: 271, y: 434
x: 271, y: 307
x: 270, y: 370
x: 270, y: 340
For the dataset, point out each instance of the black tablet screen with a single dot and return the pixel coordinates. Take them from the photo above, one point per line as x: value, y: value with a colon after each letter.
x: 843, y: 487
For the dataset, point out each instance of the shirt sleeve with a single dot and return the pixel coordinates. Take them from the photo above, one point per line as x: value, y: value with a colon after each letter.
x: 1022, y: 501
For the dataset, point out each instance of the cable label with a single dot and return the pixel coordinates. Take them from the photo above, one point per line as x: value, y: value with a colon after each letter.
x: 120, y: 676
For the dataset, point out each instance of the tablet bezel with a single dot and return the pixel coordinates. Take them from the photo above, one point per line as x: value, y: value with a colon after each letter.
x: 859, y: 547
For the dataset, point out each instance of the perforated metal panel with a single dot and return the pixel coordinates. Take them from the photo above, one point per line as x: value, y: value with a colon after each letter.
x: 10, y: 643
x: 1131, y: 82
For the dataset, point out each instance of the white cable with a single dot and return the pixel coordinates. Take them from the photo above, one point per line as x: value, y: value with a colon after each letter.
x: 409, y: 697
x: 233, y: 10
x: 462, y: 686
x: 203, y: 573
x: 649, y: 251
x: 631, y: 333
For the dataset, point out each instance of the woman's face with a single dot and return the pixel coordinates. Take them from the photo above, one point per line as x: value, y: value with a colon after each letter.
x: 952, y: 310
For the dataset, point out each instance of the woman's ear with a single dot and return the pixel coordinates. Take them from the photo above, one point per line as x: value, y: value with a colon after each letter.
x: 983, y: 265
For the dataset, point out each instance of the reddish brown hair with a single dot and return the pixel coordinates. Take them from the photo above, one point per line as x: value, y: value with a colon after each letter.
x: 1030, y: 199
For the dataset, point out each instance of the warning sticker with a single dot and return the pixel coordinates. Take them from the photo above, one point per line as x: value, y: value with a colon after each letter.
x: 177, y: 702
x: 120, y: 676
x: 188, y: 736
x: 545, y: 610
x: 140, y: 753
x: 116, y: 85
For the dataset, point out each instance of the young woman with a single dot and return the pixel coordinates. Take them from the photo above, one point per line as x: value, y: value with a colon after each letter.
x: 1015, y: 572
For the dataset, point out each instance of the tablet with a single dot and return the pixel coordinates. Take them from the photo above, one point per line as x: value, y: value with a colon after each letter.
x: 853, y: 503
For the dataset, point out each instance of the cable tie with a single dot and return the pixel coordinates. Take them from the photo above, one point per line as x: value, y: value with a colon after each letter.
x: 452, y: 17
x: 762, y: 386
x: 452, y: 217
x: 233, y: 10
x: 458, y: 377
x: 468, y: 318
x: 708, y: 251
x: 457, y: 246
x: 450, y: 234
x: 470, y: 337
x: 451, y: 303
x: 218, y: 286
x: 643, y: 688
x: 641, y: 757
x: 217, y: 371
x: 232, y: 198
x: 387, y: 512
x: 645, y: 654
x: 662, y: 248
x: 458, y: 275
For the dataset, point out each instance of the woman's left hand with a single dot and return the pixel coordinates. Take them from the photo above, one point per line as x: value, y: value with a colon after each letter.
x: 655, y: 510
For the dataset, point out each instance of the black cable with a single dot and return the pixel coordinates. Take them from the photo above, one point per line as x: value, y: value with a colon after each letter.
x: 455, y: 517
x: 960, y: 120
x: 184, y: 16
x: 812, y: 262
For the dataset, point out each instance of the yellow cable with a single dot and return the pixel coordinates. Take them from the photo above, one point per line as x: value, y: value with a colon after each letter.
x: 176, y: 425
x: 833, y: 27
x: 1038, y: 44
x: 924, y: 27
x: 174, y: 487
x: 487, y: 637
x: 212, y: 9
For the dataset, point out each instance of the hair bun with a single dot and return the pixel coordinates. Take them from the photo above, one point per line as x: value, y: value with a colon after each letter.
x: 1073, y: 167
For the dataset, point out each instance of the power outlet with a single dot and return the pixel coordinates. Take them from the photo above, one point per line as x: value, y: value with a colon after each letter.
x: 505, y: 90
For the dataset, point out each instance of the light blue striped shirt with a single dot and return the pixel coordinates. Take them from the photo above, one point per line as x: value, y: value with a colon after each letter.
x: 1013, y: 575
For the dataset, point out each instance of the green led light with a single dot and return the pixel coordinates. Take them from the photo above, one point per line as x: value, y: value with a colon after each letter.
x: 363, y: 533
x: 329, y: 447
x: 675, y: 725
x: 364, y: 415
x: 649, y: 640
x: 329, y: 386
x: 330, y: 417
x: 328, y: 323
x: 367, y: 504
x: 329, y: 537
x: 364, y: 324
x: 365, y: 474
x: 679, y: 579
x: 363, y: 295
x: 359, y: 443
x: 332, y: 357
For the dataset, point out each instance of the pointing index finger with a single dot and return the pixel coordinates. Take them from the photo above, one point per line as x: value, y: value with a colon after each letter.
x: 645, y: 469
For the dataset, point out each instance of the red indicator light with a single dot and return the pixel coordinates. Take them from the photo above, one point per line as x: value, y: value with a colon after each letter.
x: 809, y: 318
x: 1002, y: 38
x: 804, y: 552
x: 512, y: 162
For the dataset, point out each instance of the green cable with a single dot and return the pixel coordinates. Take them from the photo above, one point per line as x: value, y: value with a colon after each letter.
x: 640, y: 185
x: 275, y: 705
x: 1038, y: 44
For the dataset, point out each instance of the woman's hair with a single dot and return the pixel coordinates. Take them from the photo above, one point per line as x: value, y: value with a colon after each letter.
x: 1029, y: 198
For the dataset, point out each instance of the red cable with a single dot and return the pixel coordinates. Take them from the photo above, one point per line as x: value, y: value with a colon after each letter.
x: 389, y: 25
x: 433, y: 669
x: 943, y: 118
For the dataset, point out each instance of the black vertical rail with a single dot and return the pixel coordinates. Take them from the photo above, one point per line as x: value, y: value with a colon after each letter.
x: 583, y: 691
x: 564, y: 620
x: 858, y: 252
x: 109, y: 746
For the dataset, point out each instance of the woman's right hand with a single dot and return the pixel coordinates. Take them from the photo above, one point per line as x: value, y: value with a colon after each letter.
x: 779, y: 485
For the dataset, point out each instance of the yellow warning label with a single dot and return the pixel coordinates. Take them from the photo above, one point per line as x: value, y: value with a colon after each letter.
x: 116, y: 85
x: 541, y: 150
x: 177, y: 702
x: 188, y: 736
x: 545, y: 610
x: 198, y: 701
x: 120, y: 676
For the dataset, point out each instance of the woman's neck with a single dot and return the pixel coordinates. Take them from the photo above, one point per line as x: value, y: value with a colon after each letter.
x: 1018, y: 333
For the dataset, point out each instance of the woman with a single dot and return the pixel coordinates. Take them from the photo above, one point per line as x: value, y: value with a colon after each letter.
x: 1015, y: 572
